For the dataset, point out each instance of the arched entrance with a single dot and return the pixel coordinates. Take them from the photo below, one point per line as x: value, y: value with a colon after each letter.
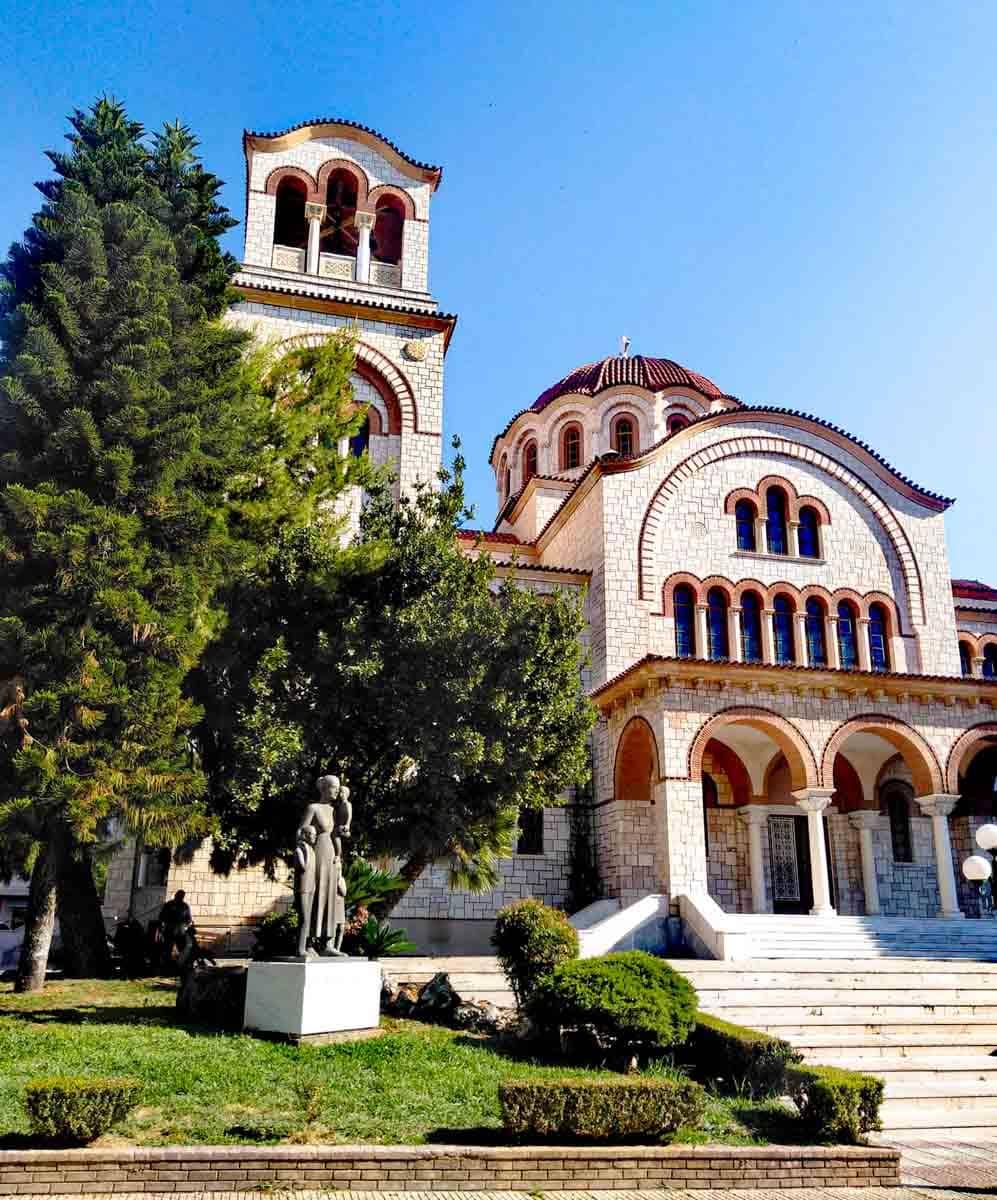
x: 636, y: 776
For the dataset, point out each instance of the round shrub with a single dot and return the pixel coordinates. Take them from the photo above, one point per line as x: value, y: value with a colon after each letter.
x: 626, y: 999
x: 531, y: 939
x: 73, y: 1108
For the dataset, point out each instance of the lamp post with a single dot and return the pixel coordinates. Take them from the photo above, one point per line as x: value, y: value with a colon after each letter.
x: 979, y: 868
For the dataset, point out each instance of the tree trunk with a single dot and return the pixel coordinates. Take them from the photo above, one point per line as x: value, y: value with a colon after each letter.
x: 410, y: 872
x: 40, y: 922
x: 81, y: 924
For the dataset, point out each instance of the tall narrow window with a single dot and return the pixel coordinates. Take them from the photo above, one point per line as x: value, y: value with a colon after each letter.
x: 386, y: 239
x: 717, y: 627
x: 290, y: 226
x: 505, y: 478
x: 685, y: 622
x: 571, y: 448
x: 966, y: 658
x: 751, y: 627
x: 744, y: 516
x: 529, y: 461
x: 775, y: 503
x: 897, y: 806
x: 848, y: 652
x: 990, y: 662
x: 339, y: 230
x: 360, y: 441
x: 816, y: 636
x: 782, y: 628
x: 709, y: 801
x: 809, y: 535
x: 531, y: 831
x: 624, y: 438
x: 879, y: 650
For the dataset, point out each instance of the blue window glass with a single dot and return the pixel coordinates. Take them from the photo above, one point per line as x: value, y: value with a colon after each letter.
x: 744, y: 516
x: 990, y: 662
x: 775, y: 502
x: 816, y: 640
x: 808, y: 533
x: 360, y: 441
x: 685, y: 622
x: 782, y: 627
x: 848, y: 651
x: 751, y: 627
x: 716, y: 624
x: 966, y: 658
x: 879, y: 651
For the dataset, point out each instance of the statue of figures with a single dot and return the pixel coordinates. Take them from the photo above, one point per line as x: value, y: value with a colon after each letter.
x: 320, y: 889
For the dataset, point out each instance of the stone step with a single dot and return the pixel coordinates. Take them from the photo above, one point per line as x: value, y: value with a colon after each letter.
x: 917, y: 1068
x: 861, y: 1016
x: 958, y: 1092
x: 956, y: 977
x: 938, y: 1113
x: 809, y: 997
x: 909, y: 964
x: 871, y: 1041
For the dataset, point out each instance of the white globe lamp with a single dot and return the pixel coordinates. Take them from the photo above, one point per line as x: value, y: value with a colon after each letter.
x: 986, y: 837
x: 976, y: 868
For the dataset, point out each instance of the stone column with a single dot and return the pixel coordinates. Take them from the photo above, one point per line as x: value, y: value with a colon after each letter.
x: 865, y: 822
x: 702, y: 637
x: 793, y: 538
x: 364, y: 222
x: 755, y: 816
x: 977, y: 667
x: 938, y: 809
x: 813, y: 801
x: 862, y: 638
x: 734, y: 635
x: 315, y: 215
x: 761, y: 535
x: 831, y: 643
x: 800, y: 638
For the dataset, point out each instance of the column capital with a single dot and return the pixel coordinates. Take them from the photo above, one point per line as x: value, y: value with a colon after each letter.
x: 363, y: 219
x: 813, y: 800
x: 940, y: 805
x: 865, y: 818
x: 754, y: 814
x: 315, y: 212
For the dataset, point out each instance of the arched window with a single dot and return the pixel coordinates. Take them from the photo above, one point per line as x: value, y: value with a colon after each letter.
x: 571, y: 448
x: 809, y: 535
x: 290, y: 226
x: 751, y: 627
x: 624, y: 439
x: 879, y: 649
x: 360, y: 441
x: 775, y: 503
x: 709, y: 801
x: 896, y: 803
x: 717, y: 627
x: 529, y: 461
x: 386, y: 236
x: 782, y: 628
x: 966, y: 658
x: 816, y: 638
x: 505, y: 477
x: 676, y: 422
x: 744, y: 519
x: 990, y: 662
x: 684, y: 603
x: 339, y: 231
x: 848, y: 650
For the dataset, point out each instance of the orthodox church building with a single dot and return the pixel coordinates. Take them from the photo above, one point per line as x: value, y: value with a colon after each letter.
x: 796, y: 700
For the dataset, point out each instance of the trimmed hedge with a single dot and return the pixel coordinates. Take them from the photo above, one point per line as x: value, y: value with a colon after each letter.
x: 837, y: 1105
x: 601, y: 1109
x: 630, y: 998
x: 75, y: 1108
x: 737, y: 1059
x: 531, y: 939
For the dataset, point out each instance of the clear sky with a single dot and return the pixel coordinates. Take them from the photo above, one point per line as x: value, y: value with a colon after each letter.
x: 797, y: 200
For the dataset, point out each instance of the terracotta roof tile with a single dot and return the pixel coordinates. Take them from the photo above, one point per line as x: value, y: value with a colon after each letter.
x: 973, y: 589
x: 654, y: 374
x: 423, y: 166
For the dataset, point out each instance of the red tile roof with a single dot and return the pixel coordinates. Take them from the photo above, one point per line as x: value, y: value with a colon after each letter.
x: 654, y: 374
x: 972, y: 589
x: 487, y: 535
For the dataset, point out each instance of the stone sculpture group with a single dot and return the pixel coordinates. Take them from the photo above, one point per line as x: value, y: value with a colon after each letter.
x: 320, y: 885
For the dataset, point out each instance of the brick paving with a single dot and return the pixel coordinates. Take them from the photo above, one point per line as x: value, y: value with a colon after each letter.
x: 844, y: 1193
x: 935, y: 1160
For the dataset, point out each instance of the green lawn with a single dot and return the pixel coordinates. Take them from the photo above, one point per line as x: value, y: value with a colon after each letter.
x: 416, y: 1083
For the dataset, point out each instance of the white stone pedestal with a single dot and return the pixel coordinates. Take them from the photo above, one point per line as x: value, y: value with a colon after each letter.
x: 314, y: 997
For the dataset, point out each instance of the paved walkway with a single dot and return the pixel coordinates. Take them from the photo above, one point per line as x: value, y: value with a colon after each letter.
x: 898, y: 1193
x: 946, y: 1160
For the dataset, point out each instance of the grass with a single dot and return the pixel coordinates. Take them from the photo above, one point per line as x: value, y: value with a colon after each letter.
x: 416, y: 1083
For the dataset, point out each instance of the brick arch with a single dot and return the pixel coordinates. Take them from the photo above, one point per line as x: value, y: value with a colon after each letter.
x: 381, y: 373
x: 887, y: 602
x: 823, y: 512
x: 780, y: 588
x: 815, y: 590
x: 636, y: 767
x: 386, y: 189
x: 625, y: 414
x: 972, y: 737
x: 671, y: 583
x: 717, y: 581
x: 767, y: 445
x: 789, y: 740
x: 343, y: 164
x: 279, y: 174
x: 916, y: 752
x: 849, y: 594
x: 777, y: 481
x: 732, y: 499
x: 749, y: 585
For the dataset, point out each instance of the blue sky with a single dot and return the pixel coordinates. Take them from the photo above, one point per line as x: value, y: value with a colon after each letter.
x: 797, y: 200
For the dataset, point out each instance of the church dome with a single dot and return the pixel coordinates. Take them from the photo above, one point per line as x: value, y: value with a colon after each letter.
x: 653, y: 374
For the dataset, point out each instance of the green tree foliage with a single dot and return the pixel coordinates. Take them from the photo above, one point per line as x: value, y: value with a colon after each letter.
x: 447, y: 698
x: 530, y: 940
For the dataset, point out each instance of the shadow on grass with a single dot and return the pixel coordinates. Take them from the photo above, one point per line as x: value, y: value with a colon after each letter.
x: 488, y: 1135
x: 772, y: 1123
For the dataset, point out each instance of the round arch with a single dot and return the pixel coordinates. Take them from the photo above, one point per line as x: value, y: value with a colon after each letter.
x: 279, y: 174
x: 967, y: 745
x: 343, y: 164
x: 384, y: 190
x: 915, y: 751
x: 792, y: 743
x: 636, y: 768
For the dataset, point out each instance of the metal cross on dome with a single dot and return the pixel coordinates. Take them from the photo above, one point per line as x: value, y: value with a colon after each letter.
x: 624, y: 346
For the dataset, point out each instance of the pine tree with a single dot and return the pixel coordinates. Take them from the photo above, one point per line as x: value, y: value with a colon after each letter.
x: 126, y: 409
